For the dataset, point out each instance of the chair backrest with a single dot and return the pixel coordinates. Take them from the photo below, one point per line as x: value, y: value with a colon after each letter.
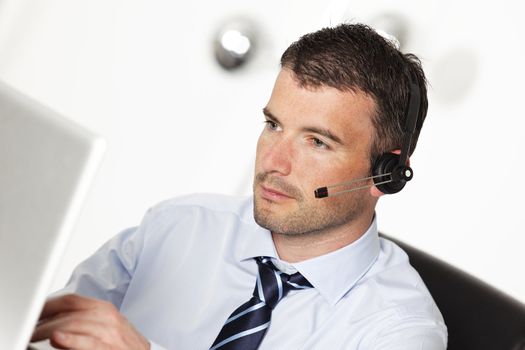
x: 478, y: 316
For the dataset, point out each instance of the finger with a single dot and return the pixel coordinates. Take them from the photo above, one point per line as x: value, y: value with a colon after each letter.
x: 73, y: 341
x: 67, y: 303
x: 81, y: 323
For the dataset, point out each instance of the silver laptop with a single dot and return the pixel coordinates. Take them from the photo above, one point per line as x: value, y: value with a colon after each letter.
x: 46, y: 165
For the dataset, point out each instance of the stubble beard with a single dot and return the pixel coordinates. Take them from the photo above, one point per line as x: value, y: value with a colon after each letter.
x: 306, y: 217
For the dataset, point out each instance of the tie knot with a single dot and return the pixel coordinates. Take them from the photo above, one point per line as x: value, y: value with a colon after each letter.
x: 272, y: 284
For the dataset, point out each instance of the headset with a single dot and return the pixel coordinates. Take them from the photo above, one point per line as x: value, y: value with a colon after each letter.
x: 390, y: 171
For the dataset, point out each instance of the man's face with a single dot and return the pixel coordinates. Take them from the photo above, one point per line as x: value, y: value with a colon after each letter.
x: 312, y: 138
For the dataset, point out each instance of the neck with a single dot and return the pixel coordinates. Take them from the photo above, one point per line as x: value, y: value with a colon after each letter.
x: 296, y: 248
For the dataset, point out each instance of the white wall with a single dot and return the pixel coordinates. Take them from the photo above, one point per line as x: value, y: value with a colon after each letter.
x: 141, y: 73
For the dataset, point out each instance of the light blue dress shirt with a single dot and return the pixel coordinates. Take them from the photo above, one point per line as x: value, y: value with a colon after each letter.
x: 179, y: 275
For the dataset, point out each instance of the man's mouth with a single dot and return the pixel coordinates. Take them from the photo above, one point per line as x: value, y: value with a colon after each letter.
x: 273, y: 194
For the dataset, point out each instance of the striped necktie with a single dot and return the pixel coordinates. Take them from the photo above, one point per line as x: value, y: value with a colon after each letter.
x: 246, y: 326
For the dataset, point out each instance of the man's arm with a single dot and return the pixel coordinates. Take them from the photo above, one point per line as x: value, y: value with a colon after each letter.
x: 106, y: 274
x: 85, y: 314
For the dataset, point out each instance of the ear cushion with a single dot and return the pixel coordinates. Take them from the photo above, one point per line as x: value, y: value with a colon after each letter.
x: 385, y: 164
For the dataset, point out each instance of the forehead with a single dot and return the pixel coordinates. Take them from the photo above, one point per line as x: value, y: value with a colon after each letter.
x: 346, y: 113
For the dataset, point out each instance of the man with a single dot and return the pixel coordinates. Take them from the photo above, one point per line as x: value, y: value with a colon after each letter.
x: 281, y: 270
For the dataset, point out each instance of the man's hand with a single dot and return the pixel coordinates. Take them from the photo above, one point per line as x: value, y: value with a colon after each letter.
x: 75, y: 322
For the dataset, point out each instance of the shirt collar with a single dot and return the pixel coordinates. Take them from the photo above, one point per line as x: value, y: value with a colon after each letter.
x: 349, y: 263
x: 257, y: 242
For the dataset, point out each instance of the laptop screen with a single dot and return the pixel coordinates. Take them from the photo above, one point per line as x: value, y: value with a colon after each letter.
x: 46, y: 165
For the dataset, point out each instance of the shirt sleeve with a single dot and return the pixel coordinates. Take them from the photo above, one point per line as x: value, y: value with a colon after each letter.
x: 106, y: 274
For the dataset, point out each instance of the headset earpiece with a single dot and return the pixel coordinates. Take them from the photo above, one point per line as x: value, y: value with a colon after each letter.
x: 393, y: 164
x: 387, y: 165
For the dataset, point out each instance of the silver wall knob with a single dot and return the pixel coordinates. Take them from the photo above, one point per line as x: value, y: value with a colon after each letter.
x: 235, y: 43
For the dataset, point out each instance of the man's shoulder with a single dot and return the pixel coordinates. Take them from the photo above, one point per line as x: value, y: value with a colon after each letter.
x: 207, y: 220
x: 208, y: 203
x: 398, y: 286
x: 395, y: 298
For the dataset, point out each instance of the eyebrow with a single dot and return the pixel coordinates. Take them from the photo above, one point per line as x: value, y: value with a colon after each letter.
x: 321, y: 131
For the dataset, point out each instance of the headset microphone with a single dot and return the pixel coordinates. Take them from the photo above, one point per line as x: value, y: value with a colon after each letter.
x: 389, y: 172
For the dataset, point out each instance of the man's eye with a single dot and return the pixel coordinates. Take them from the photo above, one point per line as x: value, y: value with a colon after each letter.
x: 271, y: 125
x: 318, y: 143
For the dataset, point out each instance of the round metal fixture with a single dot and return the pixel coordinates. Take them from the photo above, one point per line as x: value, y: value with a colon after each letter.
x: 235, y: 43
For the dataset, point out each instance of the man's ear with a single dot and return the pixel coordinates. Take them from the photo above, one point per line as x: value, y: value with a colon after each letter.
x: 374, y: 191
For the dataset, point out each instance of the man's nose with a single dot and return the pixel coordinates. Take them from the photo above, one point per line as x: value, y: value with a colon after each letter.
x: 278, y: 157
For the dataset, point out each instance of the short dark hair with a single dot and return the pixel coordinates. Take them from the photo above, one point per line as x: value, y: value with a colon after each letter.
x: 354, y: 57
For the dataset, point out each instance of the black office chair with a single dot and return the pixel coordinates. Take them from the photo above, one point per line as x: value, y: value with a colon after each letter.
x: 478, y: 316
